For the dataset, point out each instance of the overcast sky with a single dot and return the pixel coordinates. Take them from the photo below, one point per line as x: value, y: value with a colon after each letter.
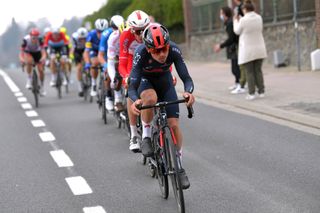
x: 55, y: 10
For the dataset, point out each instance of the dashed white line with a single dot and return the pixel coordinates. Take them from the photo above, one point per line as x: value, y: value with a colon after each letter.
x: 61, y: 158
x: 31, y: 113
x: 78, y: 185
x: 26, y: 106
x: 47, y: 136
x: 9, y: 82
x: 94, y: 209
x: 22, y: 99
x: 38, y: 123
x: 18, y: 94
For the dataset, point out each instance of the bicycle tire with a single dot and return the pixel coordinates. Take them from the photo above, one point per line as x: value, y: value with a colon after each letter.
x: 173, y: 170
x: 161, y: 173
x: 67, y: 85
x: 103, y: 103
x: 35, y: 88
x: 59, y: 82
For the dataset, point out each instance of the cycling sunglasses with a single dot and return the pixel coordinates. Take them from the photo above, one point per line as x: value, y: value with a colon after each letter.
x: 159, y: 50
x: 138, y: 32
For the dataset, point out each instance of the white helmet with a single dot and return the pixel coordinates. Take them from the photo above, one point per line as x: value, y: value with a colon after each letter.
x: 116, y: 21
x: 82, y: 32
x: 46, y: 30
x: 55, y: 30
x: 138, y: 19
x: 101, y: 24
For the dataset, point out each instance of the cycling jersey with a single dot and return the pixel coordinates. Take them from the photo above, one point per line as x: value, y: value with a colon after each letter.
x: 103, y: 45
x: 29, y: 46
x: 79, y: 46
x: 113, y: 44
x: 92, y: 43
x: 58, y: 42
x: 145, y: 69
x: 128, y: 44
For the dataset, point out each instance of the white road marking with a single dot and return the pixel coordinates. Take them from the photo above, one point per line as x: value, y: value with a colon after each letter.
x: 22, y: 99
x: 61, y: 158
x: 94, y: 209
x: 18, y: 94
x: 26, y: 106
x: 9, y: 82
x: 38, y: 123
x: 47, y: 136
x: 78, y: 185
x: 31, y: 113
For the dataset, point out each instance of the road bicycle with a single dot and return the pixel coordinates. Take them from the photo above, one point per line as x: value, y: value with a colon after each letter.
x: 165, y: 160
x: 35, y: 84
x: 60, y: 75
x: 86, y: 83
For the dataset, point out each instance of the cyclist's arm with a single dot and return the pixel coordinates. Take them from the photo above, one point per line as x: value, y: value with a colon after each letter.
x: 86, y: 53
x: 135, y: 76
x: 232, y: 37
x: 22, y: 48
x: 182, y: 69
x: 123, y: 55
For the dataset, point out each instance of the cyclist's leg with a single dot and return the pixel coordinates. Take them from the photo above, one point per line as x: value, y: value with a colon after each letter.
x: 78, y: 59
x: 64, y: 63
x: 108, y: 99
x: 53, y: 68
x: 28, y: 60
x: 94, y: 72
x: 40, y: 67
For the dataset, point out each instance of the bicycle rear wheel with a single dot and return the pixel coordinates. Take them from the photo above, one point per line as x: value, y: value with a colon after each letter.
x: 173, y: 170
x: 59, y: 82
x: 35, y: 88
x: 103, y: 102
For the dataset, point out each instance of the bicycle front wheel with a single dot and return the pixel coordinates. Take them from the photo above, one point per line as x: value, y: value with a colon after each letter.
x: 103, y: 103
x: 161, y: 169
x: 35, y: 88
x: 173, y: 170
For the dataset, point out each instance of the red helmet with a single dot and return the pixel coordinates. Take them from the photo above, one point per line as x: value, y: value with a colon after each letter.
x: 34, y: 32
x: 155, y: 36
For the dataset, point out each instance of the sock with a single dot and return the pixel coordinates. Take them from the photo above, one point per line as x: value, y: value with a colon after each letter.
x: 179, y: 154
x: 80, y: 86
x: 93, y: 82
x: 134, y: 131
x: 146, y: 130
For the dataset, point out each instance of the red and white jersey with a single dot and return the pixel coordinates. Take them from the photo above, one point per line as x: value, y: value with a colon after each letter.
x: 31, y: 46
x: 128, y: 45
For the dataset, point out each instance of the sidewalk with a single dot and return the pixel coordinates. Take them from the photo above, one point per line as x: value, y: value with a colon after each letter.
x: 290, y: 95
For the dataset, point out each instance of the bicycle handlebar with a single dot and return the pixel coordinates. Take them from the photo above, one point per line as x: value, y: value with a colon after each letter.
x: 165, y: 103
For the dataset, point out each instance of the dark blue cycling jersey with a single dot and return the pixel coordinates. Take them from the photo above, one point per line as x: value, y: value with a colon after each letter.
x: 144, y: 66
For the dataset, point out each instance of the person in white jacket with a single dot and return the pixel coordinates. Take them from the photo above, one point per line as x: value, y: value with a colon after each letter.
x: 252, y: 49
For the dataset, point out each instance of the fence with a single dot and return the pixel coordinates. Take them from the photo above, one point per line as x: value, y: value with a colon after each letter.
x: 205, y: 13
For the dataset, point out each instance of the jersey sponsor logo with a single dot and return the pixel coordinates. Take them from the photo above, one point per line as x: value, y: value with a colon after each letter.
x: 136, y: 59
x: 88, y: 45
x: 176, y: 50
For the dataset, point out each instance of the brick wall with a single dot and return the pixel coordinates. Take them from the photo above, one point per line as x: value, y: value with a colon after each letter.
x: 318, y: 21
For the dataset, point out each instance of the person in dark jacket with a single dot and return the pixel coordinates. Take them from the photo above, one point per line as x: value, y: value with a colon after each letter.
x: 230, y: 44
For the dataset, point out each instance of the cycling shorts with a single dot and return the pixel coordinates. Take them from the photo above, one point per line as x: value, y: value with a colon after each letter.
x: 93, y: 53
x: 78, y: 55
x: 62, y: 50
x: 35, y: 55
x: 163, y: 85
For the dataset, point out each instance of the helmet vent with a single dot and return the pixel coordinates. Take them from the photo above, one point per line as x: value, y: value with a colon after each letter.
x: 158, y: 40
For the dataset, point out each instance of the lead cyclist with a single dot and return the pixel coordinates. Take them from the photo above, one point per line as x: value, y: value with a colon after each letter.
x: 151, y: 82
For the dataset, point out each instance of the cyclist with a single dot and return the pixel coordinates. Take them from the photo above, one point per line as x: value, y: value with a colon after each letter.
x: 151, y: 81
x: 32, y: 52
x: 91, y: 52
x: 57, y: 43
x: 69, y: 61
x: 79, y: 41
x: 130, y: 38
x: 111, y: 46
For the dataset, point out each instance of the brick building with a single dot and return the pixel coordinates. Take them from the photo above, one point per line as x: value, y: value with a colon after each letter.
x: 203, y: 28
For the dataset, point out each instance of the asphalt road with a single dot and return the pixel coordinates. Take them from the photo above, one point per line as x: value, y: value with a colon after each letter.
x: 235, y: 163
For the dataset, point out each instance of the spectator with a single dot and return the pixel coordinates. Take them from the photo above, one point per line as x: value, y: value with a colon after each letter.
x: 231, y: 44
x: 238, y: 13
x: 252, y: 49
